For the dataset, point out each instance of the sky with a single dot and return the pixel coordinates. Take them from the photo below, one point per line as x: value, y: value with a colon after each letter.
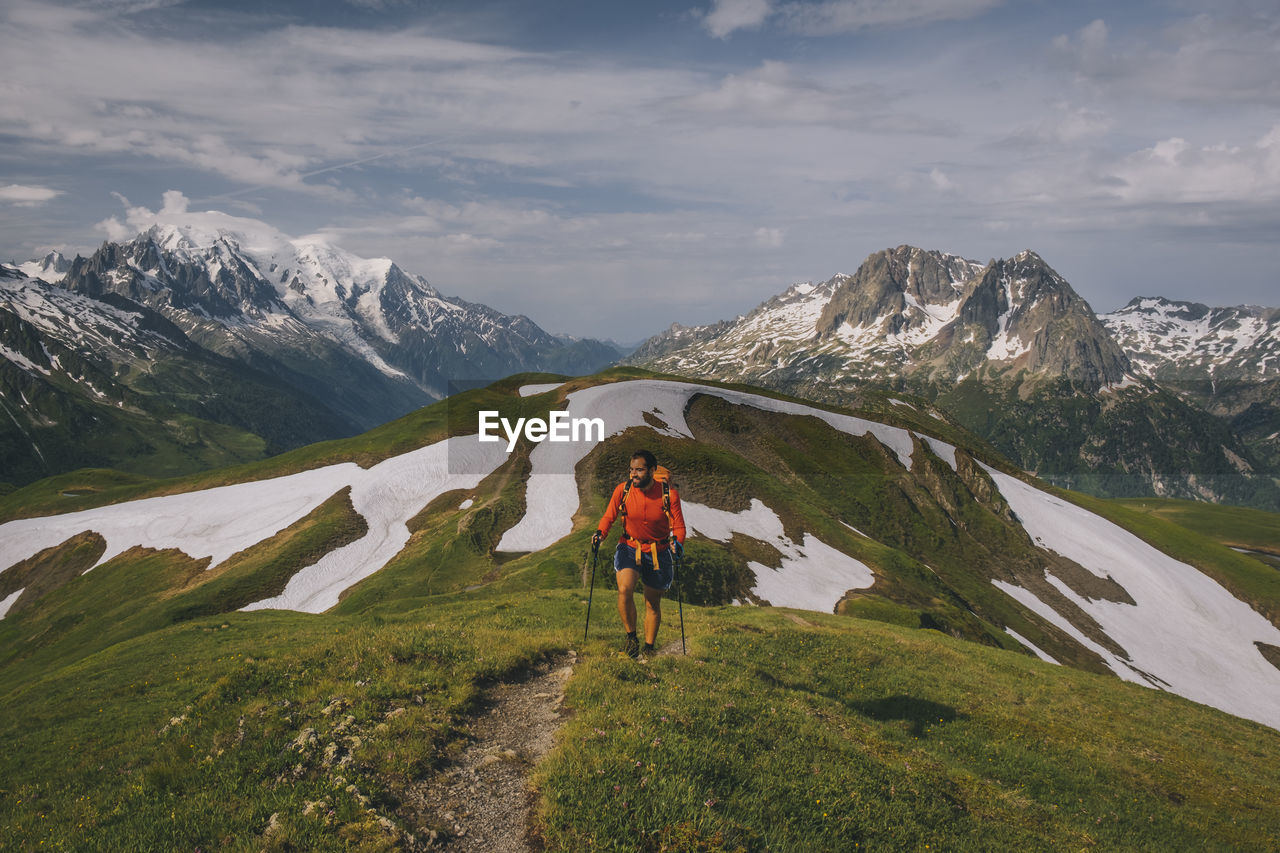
x: 610, y: 168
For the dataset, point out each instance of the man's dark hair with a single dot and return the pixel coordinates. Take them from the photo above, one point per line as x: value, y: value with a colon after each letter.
x: 650, y: 461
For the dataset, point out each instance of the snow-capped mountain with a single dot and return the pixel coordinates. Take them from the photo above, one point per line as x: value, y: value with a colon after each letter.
x: 91, y: 382
x: 1186, y: 340
x: 269, y: 342
x: 906, y: 310
x: 1008, y: 348
x: 51, y: 268
x: 1227, y: 360
x: 376, y: 340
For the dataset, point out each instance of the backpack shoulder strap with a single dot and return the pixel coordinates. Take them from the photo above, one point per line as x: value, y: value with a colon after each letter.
x: 622, y: 501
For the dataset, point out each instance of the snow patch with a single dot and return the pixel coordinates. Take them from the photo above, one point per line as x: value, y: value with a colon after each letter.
x: 813, y: 575
x: 9, y: 602
x: 1031, y: 646
x: 1129, y: 381
x: 533, y: 390
x: 467, y: 504
x: 217, y: 523
x: 388, y: 495
x: 856, y: 530
x: 945, y: 452
x: 1185, y: 632
x: 22, y: 361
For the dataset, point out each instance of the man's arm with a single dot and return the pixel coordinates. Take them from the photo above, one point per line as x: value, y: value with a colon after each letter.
x: 610, y: 512
x: 677, y: 517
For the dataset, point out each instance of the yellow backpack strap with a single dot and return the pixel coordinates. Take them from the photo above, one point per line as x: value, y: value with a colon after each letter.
x: 622, y: 502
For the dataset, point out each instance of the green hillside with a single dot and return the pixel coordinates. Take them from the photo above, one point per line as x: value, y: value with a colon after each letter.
x: 141, y: 711
x: 1233, y: 526
x: 778, y: 731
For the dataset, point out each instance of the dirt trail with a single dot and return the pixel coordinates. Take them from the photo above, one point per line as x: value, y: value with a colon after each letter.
x: 483, y: 801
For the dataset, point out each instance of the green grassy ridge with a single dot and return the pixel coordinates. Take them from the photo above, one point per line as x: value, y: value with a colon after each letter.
x: 839, y: 733
x: 871, y: 403
x: 146, y: 443
x: 89, y: 488
x: 186, y: 737
x: 1233, y: 526
x: 453, y: 551
x: 935, y: 541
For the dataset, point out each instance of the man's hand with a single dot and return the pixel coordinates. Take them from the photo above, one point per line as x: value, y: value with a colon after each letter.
x: 677, y: 547
x: 596, y: 538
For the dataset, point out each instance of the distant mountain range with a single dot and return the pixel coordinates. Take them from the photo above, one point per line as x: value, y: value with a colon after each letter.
x: 213, y: 339
x: 1225, y: 359
x: 218, y: 339
x: 1160, y: 397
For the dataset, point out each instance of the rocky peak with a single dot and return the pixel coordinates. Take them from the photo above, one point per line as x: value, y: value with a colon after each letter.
x: 1030, y: 317
x: 891, y: 282
x: 221, y: 284
x: 51, y: 268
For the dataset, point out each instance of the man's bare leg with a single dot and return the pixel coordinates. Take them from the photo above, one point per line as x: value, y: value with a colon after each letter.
x: 627, y: 580
x: 652, y: 613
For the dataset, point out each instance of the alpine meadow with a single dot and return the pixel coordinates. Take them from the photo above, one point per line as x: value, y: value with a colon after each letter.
x: 895, y: 640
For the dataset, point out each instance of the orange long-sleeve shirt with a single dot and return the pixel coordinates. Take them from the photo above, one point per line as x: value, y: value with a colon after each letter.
x: 646, y: 522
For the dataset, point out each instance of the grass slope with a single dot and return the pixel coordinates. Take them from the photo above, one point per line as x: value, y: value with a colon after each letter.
x: 1233, y: 526
x: 142, y: 712
x: 776, y: 732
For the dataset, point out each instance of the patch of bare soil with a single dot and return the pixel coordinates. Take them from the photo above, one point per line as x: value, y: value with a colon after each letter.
x: 483, y: 801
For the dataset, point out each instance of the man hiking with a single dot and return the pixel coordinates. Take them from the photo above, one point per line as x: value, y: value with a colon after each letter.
x: 653, y: 524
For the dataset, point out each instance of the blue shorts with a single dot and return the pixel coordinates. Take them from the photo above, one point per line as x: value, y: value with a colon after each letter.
x: 625, y: 558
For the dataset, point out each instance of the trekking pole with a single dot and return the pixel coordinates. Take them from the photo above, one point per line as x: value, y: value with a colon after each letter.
x: 679, y: 551
x: 595, y: 558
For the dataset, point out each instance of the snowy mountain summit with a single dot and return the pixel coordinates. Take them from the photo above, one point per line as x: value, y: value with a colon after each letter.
x: 267, y: 341
x: 907, y: 310
x: 52, y: 267
x: 1018, y: 357
x: 1190, y: 340
x: 340, y: 325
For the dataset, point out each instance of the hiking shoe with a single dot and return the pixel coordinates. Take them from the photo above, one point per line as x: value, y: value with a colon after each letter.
x: 632, y: 647
x: 646, y: 652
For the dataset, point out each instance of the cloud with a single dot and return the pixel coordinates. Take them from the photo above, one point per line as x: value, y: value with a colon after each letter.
x: 728, y: 16
x: 1087, y: 48
x: 484, y: 161
x: 24, y: 196
x: 138, y: 218
x: 1175, y: 172
x: 774, y: 94
x: 1067, y: 125
x: 174, y: 203
x: 1227, y: 55
x: 770, y: 238
x: 837, y: 17
x: 941, y: 182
